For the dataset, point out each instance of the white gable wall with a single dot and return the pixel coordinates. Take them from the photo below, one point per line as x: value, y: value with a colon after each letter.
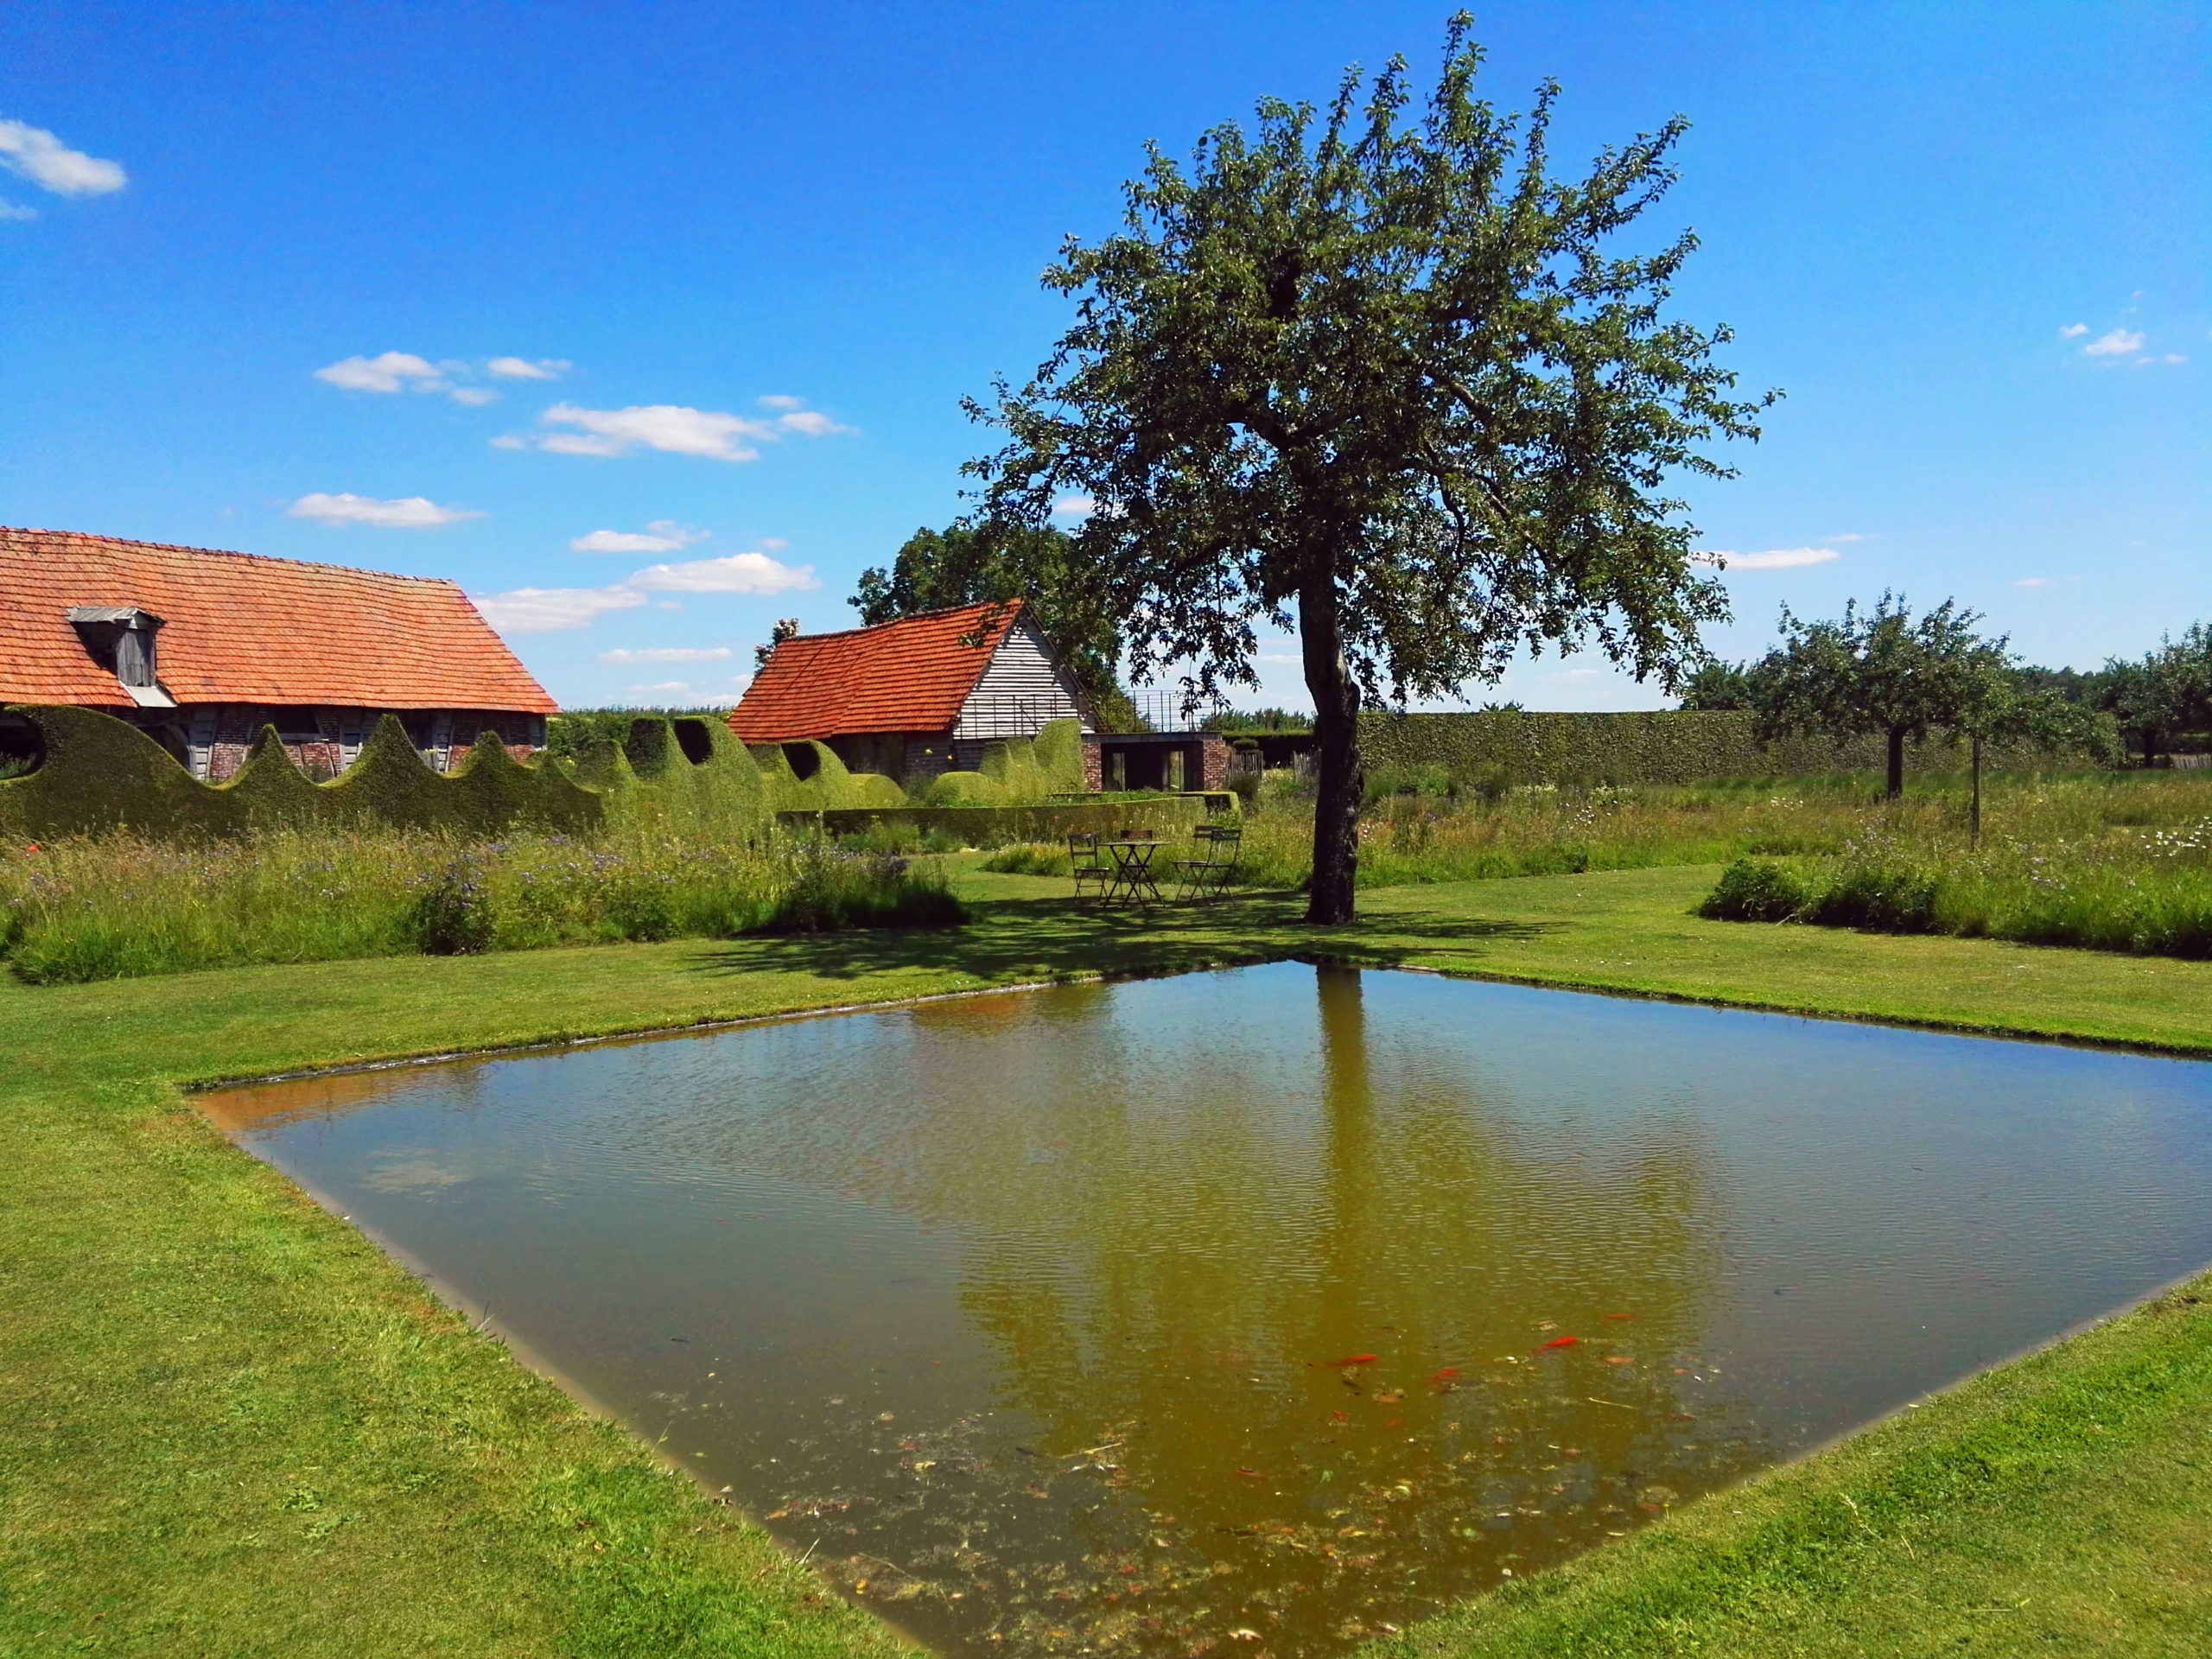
x: 1020, y: 690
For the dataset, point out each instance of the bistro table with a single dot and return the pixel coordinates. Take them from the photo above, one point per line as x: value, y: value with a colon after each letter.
x: 1131, y: 879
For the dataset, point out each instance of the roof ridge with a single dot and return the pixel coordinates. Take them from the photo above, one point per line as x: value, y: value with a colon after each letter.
x: 1015, y: 604
x: 224, y: 553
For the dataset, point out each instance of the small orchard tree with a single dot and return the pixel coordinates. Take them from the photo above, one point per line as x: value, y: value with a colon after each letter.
x: 2168, y: 692
x: 1718, y: 686
x: 1879, y: 672
x: 1385, y: 372
x: 2005, y: 704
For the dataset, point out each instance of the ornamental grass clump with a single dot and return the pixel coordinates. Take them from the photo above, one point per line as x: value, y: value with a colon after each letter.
x: 832, y: 888
x: 2124, y: 887
x: 115, y: 906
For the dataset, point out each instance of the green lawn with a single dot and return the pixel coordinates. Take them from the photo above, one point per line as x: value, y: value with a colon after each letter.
x: 228, y: 1426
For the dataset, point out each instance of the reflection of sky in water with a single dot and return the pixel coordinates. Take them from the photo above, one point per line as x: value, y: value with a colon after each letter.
x: 1132, y: 1317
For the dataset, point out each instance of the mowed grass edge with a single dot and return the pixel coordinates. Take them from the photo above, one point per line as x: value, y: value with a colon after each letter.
x: 235, y: 1427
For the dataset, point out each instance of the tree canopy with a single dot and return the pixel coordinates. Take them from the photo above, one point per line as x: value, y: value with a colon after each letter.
x: 1381, y: 367
x: 2168, y: 692
x: 1881, y: 671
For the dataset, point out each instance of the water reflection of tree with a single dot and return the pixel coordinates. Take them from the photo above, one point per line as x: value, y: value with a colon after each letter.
x: 1213, y: 1238
x: 1156, y: 1223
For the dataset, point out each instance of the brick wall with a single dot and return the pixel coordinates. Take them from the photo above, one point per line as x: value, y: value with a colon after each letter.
x: 1213, y: 762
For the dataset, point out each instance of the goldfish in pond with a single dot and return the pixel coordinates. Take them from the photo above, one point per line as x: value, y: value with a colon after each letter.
x: 1559, y: 1342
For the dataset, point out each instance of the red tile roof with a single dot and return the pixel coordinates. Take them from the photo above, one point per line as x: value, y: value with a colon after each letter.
x: 245, y: 629
x: 908, y: 676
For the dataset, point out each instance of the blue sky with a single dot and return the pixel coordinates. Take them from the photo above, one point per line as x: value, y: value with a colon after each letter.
x: 449, y: 288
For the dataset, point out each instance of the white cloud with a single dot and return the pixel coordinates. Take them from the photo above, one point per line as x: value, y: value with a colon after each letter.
x: 405, y: 371
x: 548, y: 610
x: 1074, y: 506
x: 667, y: 654
x: 2074, y: 331
x: 665, y: 685
x: 35, y: 154
x: 1853, y: 536
x: 543, y: 610
x: 1779, y: 558
x: 521, y: 368
x: 412, y: 512
x: 673, y: 429
x: 390, y: 371
x: 2120, y: 342
x: 2174, y: 356
x: 2033, y: 581
x: 739, y: 572
x: 662, y: 535
x: 15, y: 210
x: 778, y: 400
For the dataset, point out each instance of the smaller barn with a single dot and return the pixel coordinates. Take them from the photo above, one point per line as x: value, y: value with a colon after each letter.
x: 913, y: 698
x: 200, y: 649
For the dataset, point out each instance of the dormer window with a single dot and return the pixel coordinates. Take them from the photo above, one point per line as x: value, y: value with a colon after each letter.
x: 121, y: 639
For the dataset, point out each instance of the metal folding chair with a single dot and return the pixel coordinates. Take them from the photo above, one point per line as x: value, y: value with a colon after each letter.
x: 1206, y: 877
x: 1092, y: 873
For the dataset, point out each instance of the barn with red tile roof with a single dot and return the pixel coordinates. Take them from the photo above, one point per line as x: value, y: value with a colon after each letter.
x: 912, y: 698
x: 200, y: 649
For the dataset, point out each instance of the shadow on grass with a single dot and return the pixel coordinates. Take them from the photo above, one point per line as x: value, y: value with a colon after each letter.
x: 1036, y: 939
x: 1427, y: 925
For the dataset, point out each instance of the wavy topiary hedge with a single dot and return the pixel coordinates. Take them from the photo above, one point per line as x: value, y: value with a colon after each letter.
x: 1017, y: 772
x: 1670, y: 747
x: 828, y: 784
x: 100, y: 774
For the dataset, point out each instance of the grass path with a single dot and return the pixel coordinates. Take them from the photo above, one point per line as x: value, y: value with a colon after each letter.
x: 230, y: 1426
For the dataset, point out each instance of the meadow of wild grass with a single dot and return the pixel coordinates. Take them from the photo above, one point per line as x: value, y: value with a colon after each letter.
x: 2119, y: 887
x: 2113, y: 861
x: 1417, y: 834
x: 114, y: 906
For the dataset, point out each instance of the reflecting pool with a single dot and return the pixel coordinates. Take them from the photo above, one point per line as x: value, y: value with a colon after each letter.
x: 1257, y: 1310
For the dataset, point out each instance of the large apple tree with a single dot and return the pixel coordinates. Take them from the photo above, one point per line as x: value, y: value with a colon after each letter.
x: 1378, y: 367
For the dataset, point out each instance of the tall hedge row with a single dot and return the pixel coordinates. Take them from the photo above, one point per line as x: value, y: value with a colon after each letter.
x: 100, y: 774
x: 1671, y: 747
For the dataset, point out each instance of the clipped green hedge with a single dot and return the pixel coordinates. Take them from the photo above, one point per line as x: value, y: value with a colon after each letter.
x: 1166, y: 815
x: 101, y: 774
x: 829, y: 785
x: 1667, y: 747
x: 1017, y: 772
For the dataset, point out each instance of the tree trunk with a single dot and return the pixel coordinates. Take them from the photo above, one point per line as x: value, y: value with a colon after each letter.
x: 1335, y: 729
x: 1897, y: 762
x: 1975, y: 839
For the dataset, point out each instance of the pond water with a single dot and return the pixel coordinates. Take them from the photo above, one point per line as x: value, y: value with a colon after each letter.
x: 1257, y: 1311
